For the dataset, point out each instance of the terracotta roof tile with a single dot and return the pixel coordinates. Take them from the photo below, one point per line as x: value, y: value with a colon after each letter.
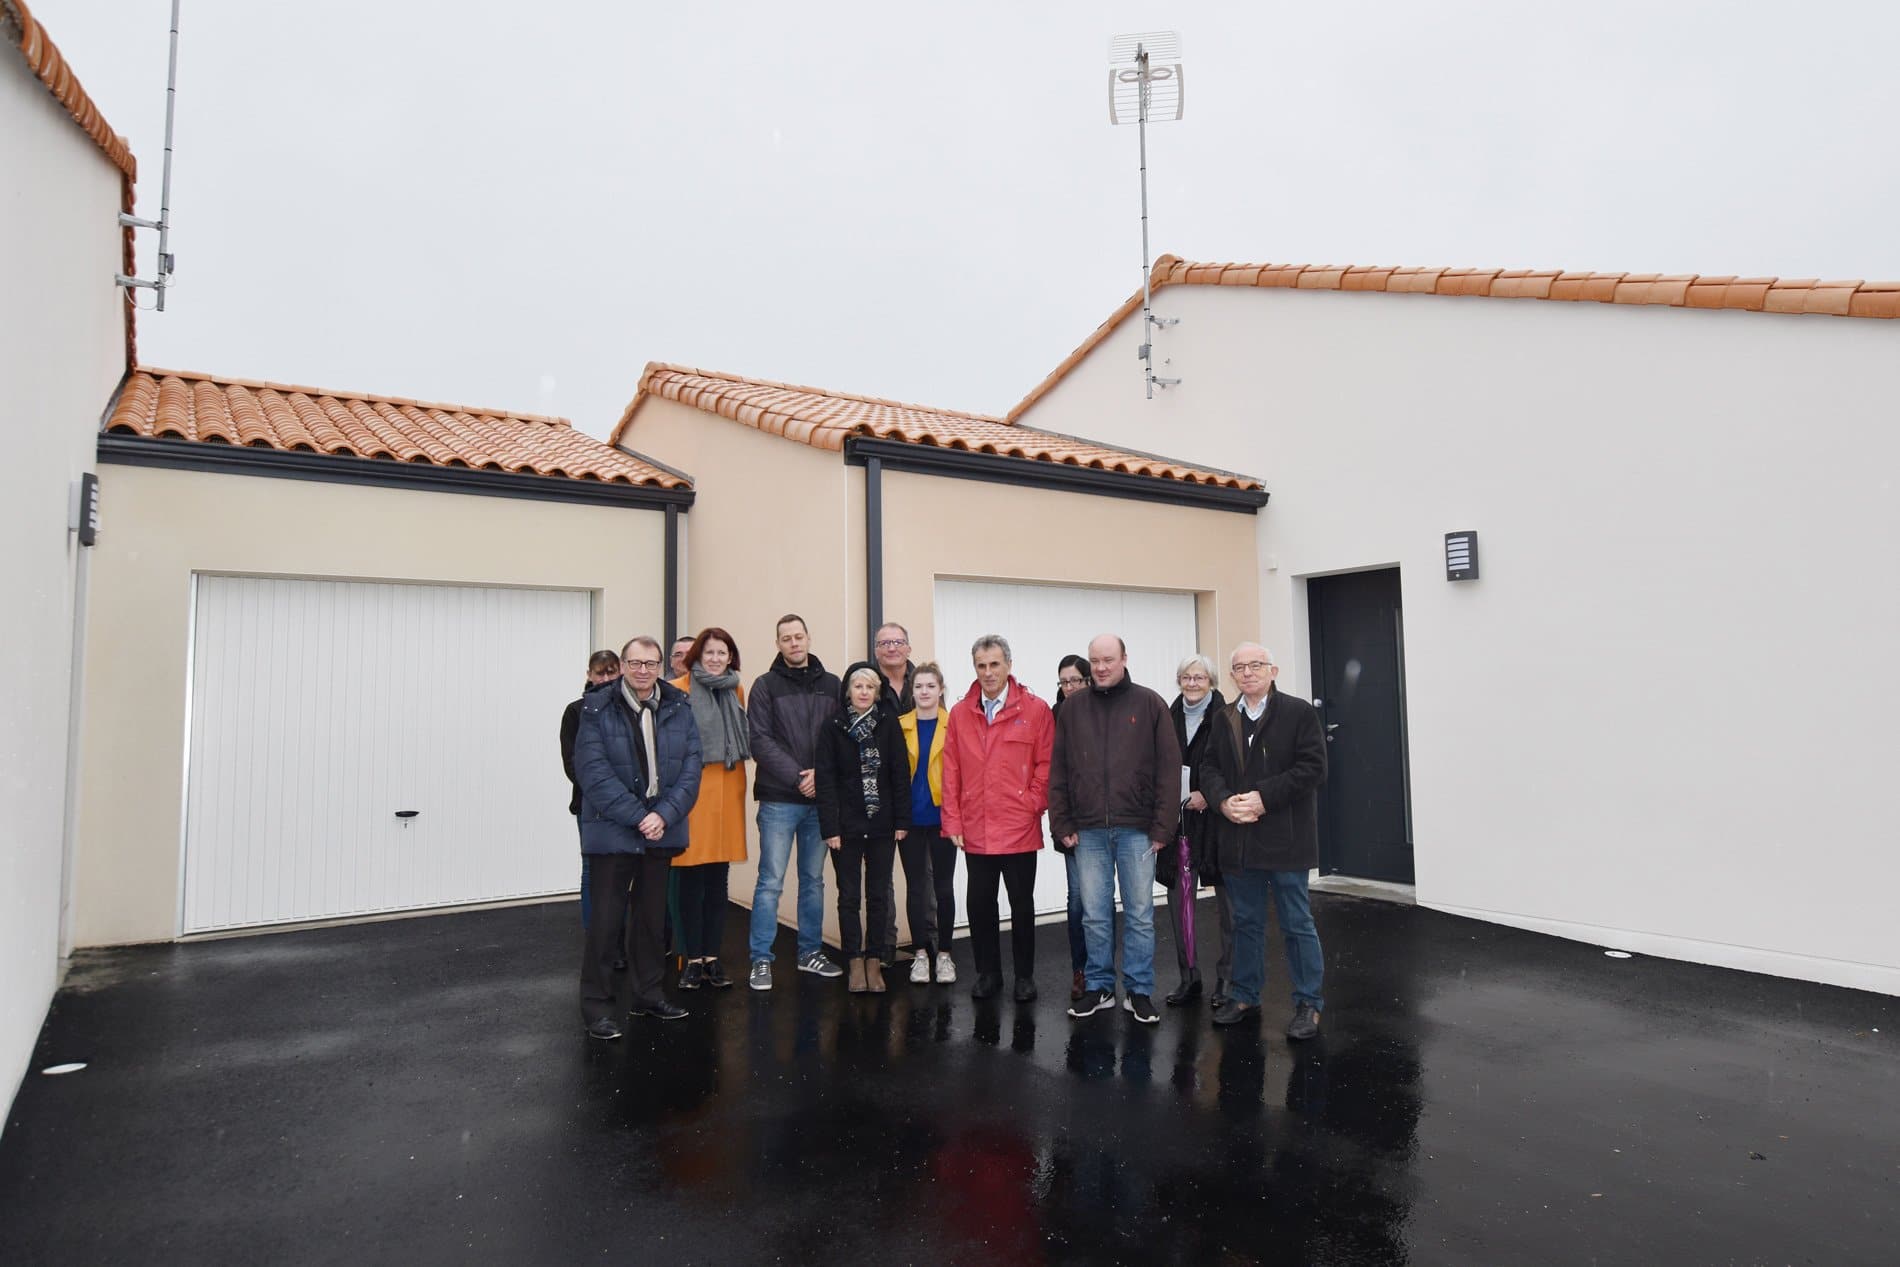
x: 825, y: 420
x: 1681, y: 290
x: 172, y: 404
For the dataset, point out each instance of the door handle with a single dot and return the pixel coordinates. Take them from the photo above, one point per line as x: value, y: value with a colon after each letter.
x: 1331, y: 726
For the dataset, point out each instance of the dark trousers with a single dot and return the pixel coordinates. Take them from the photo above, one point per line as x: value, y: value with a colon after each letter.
x: 943, y: 875
x: 1181, y: 911
x: 702, y: 908
x: 619, y: 883
x: 862, y: 865
x: 1017, y: 871
x: 918, y: 852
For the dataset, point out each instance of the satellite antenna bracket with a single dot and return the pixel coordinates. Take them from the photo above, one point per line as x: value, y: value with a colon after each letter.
x: 167, y: 261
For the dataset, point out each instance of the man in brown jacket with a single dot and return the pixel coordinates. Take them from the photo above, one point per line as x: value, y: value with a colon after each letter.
x: 1115, y: 798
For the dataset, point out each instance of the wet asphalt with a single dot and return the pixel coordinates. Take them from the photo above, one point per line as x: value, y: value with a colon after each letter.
x: 420, y: 1091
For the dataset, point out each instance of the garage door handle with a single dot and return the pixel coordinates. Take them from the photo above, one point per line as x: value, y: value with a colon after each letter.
x: 407, y: 813
x: 1331, y: 726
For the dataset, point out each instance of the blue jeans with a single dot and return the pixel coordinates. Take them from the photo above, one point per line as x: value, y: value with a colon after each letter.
x: 1078, y: 944
x: 1103, y: 857
x: 780, y: 822
x: 1303, y: 957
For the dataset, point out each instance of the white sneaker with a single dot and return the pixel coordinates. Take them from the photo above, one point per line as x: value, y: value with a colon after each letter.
x: 920, y: 968
x: 946, y: 968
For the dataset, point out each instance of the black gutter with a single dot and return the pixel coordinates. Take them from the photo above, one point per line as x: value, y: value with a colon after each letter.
x: 230, y: 459
x: 873, y: 549
x: 670, y: 569
x: 992, y: 468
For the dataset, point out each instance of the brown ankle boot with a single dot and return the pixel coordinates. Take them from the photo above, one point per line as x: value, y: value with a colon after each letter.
x: 854, y: 976
x: 874, y: 976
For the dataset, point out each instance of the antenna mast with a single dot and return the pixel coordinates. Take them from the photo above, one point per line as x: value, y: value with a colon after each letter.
x: 1140, y: 90
x: 166, y: 262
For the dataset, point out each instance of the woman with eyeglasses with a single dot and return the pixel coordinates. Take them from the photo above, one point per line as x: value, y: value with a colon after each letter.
x: 1182, y: 868
x: 1072, y: 674
x: 716, y: 827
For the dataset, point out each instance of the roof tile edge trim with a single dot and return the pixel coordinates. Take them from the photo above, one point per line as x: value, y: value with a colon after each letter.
x: 50, y: 66
x: 300, y: 389
x: 1796, y: 296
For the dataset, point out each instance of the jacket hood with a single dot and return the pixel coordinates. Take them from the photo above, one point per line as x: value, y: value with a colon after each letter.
x: 844, y: 683
x: 813, y: 668
x: 1127, y: 680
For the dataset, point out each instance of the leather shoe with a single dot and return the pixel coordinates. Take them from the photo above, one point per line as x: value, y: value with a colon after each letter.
x: 1232, y: 1013
x: 1218, y: 995
x: 988, y: 985
x: 1185, y: 993
x: 661, y: 1011
x: 1025, y: 990
x: 604, y: 1028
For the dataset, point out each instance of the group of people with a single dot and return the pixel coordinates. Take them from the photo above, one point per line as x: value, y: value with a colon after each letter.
x: 875, y: 770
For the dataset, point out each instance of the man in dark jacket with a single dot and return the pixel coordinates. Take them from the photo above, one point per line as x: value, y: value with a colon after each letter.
x: 891, y: 649
x: 1261, y: 774
x: 1115, y: 797
x: 638, y: 758
x: 789, y: 703
x: 603, y: 667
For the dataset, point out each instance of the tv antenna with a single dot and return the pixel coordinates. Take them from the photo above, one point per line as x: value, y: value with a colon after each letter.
x: 1144, y: 85
x: 166, y: 261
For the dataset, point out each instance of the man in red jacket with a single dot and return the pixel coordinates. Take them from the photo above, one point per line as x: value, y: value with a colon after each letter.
x: 995, y: 788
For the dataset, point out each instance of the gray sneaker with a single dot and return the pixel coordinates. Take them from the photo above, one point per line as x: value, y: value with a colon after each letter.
x: 817, y: 963
x: 760, y: 978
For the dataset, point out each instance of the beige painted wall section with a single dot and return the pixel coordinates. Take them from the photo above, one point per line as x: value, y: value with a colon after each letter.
x: 1662, y: 719
x: 62, y: 351
x: 167, y: 524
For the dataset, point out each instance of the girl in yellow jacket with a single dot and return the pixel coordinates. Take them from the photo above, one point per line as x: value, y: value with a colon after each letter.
x: 930, y: 861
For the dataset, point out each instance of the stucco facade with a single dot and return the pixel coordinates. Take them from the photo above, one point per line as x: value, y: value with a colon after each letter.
x: 778, y: 526
x: 62, y: 349
x: 1661, y: 719
x: 170, y: 524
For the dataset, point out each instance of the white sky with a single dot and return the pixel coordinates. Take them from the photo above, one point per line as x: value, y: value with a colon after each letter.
x: 517, y: 206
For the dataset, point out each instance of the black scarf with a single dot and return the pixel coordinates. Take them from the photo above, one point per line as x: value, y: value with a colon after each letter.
x: 863, y: 730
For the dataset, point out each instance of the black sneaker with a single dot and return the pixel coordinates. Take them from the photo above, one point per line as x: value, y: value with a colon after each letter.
x: 715, y: 975
x: 1142, y: 1008
x: 662, y: 1011
x: 604, y: 1029
x: 1231, y: 1012
x: 1305, y: 1023
x: 693, y: 975
x: 1091, y: 1002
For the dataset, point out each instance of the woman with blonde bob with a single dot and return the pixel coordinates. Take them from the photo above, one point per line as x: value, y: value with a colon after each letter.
x: 863, y: 785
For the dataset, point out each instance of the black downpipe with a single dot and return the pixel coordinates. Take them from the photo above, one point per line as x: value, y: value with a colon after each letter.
x: 671, y: 580
x: 873, y: 552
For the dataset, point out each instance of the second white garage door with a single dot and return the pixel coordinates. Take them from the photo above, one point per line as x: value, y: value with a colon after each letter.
x: 360, y: 747
x: 1043, y: 623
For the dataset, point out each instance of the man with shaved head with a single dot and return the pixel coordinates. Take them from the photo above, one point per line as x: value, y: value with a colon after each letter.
x: 1115, y: 798
x: 1261, y: 774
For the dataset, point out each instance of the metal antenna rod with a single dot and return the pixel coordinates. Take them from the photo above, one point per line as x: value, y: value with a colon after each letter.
x: 165, y: 188
x: 1147, y: 312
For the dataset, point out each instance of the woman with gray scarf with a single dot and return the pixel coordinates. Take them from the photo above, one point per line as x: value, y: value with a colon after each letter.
x: 716, y: 826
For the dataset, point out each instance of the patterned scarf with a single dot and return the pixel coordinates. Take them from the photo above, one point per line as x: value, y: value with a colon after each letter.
x: 862, y: 729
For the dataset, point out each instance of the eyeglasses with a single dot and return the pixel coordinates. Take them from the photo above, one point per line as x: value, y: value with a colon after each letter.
x: 1069, y: 681
x: 1192, y: 677
x: 1252, y: 666
x: 648, y: 665
x: 891, y: 644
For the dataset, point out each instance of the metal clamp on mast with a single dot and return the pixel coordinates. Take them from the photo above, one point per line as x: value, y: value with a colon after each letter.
x: 167, y: 262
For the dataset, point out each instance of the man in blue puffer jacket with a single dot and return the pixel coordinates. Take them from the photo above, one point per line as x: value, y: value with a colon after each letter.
x: 637, y: 759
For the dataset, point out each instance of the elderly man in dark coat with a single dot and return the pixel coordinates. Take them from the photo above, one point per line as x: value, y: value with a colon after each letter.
x: 638, y: 758
x: 1260, y: 774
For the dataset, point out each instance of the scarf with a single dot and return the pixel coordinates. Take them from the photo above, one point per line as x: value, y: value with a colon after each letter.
x: 721, y: 722
x: 862, y: 728
x: 643, y: 724
x: 1192, y: 715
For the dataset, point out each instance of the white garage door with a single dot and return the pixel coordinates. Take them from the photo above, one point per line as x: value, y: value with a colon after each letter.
x: 324, y: 712
x: 1043, y: 623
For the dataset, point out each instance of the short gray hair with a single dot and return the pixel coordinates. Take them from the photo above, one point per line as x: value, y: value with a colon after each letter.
x: 1197, y: 661
x: 864, y: 671
x: 992, y: 640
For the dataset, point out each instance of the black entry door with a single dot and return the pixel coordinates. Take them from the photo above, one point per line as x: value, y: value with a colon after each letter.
x: 1365, y: 819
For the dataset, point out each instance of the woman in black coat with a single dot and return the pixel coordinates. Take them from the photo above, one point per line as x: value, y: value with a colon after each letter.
x: 863, y: 778
x: 1193, y: 708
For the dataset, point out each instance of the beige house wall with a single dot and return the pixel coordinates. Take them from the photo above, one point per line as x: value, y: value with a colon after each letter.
x: 62, y: 351
x: 1662, y: 720
x: 166, y: 525
x: 779, y: 526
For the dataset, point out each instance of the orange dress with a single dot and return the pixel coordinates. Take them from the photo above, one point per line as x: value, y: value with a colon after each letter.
x: 715, y: 827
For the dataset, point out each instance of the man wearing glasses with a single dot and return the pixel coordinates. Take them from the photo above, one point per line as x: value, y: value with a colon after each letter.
x: 891, y: 650
x: 637, y: 757
x: 1261, y: 773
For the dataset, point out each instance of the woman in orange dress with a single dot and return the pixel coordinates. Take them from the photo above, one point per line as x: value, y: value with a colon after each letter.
x: 715, y: 828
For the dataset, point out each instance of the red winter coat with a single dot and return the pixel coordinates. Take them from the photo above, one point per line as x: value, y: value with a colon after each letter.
x: 996, y: 775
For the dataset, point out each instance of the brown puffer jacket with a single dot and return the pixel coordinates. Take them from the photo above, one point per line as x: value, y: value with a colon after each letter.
x: 1116, y: 763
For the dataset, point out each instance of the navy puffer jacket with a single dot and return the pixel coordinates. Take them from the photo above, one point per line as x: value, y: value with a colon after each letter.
x: 609, y: 759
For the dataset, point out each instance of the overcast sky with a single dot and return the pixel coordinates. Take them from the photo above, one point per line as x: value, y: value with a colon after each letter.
x: 518, y: 206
